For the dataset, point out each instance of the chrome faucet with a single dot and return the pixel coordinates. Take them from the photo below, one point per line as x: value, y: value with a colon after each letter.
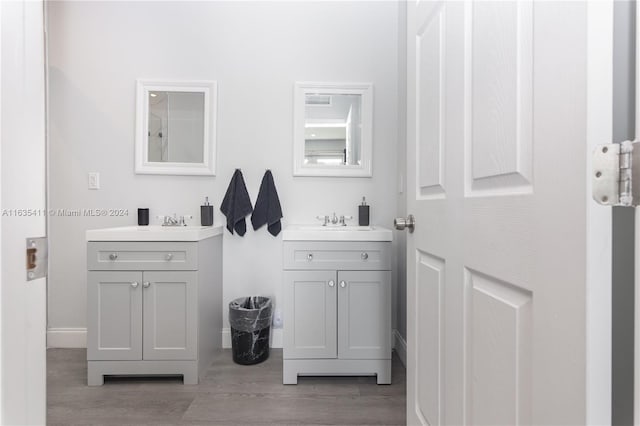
x: 343, y: 219
x: 325, y: 219
x: 174, y: 221
x: 334, y: 220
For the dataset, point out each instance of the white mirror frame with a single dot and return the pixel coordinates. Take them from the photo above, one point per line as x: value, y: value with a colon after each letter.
x: 208, y: 166
x: 363, y: 89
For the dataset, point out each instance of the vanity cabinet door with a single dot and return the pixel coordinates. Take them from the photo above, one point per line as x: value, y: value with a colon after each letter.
x: 114, y: 316
x: 310, y: 314
x: 364, y: 314
x: 170, y: 315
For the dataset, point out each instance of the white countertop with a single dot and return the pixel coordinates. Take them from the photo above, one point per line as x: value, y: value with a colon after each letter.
x: 336, y: 233
x: 154, y: 233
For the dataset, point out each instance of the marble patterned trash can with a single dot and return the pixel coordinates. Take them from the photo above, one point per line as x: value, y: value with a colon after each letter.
x: 250, y: 320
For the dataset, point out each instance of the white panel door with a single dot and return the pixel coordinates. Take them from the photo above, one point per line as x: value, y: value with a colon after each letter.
x: 170, y: 300
x: 114, y: 315
x: 509, y: 265
x: 310, y: 316
x: 364, y: 314
x: 22, y: 123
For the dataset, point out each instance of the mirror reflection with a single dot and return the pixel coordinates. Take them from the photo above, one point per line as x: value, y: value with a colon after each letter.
x: 176, y: 125
x: 333, y: 129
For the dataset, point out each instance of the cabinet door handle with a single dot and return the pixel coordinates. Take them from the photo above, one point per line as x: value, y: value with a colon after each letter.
x: 146, y: 284
x: 332, y: 283
x: 310, y: 257
x: 113, y: 256
x: 364, y: 256
x: 169, y: 256
x: 134, y: 284
x: 343, y: 284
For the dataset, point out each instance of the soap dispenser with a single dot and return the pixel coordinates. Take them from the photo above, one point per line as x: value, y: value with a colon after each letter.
x: 363, y: 213
x: 206, y: 213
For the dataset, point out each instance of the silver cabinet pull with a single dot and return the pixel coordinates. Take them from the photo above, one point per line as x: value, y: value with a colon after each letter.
x: 343, y: 284
x: 113, y: 256
x: 310, y: 257
x: 169, y: 256
x: 146, y: 284
x: 134, y: 284
x: 332, y: 283
x: 364, y: 256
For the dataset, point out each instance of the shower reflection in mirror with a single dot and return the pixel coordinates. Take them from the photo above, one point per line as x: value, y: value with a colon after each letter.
x: 176, y: 127
x: 177, y: 117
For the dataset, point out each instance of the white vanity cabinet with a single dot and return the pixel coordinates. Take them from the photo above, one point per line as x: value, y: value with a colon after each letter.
x: 153, y: 307
x: 337, y: 309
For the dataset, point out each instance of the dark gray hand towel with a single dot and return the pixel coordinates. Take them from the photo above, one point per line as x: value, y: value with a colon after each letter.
x: 267, y: 208
x: 236, y: 204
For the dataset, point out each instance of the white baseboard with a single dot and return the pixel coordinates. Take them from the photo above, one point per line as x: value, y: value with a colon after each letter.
x: 276, y: 338
x: 400, y: 345
x: 67, y: 338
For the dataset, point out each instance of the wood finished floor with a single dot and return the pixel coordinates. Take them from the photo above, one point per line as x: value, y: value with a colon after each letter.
x: 230, y: 394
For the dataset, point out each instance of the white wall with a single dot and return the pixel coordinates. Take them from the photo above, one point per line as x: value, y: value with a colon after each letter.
x: 256, y: 51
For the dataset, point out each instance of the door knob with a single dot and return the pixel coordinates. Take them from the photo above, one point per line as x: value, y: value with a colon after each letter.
x: 331, y: 283
x: 146, y: 284
x: 113, y: 256
x: 343, y: 284
x: 401, y: 223
x: 169, y: 256
x: 134, y: 284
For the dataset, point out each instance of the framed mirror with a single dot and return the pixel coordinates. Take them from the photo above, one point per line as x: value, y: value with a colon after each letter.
x: 176, y: 127
x: 332, y: 129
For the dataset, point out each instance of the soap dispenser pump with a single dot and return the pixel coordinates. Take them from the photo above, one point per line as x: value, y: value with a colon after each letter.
x: 363, y: 213
x: 206, y: 213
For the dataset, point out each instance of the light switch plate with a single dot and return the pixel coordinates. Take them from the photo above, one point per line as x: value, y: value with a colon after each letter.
x: 94, y: 180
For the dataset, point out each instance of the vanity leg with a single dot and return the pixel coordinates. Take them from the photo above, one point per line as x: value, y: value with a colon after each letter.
x: 190, y: 379
x: 94, y: 376
x: 190, y: 375
x: 289, y: 375
x: 384, y: 375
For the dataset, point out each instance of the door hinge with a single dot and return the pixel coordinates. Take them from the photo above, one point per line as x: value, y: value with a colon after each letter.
x: 615, y: 166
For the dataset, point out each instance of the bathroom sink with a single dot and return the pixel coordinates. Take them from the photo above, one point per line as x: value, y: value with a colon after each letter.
x: 336, y: 233
x: 154, y: 233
